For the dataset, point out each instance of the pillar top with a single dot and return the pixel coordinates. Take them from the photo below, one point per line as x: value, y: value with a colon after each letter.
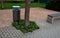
x: 16, y: 6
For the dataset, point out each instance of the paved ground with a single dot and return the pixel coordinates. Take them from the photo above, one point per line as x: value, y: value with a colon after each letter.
x: 10, y: 32
x: 38, y: 15
x: 46, y: 30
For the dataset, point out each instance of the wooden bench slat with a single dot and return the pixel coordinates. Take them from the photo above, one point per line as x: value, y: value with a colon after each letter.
x: 54, y: 15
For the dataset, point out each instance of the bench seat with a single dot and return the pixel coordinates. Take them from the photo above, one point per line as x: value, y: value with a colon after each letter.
x: 51, y: 17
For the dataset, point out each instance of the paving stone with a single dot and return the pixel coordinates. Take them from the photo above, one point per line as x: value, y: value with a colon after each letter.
x: 36, y: 14
x: 10, y: 32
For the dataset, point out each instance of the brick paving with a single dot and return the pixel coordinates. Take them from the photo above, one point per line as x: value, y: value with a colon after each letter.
x: 36, y: 14
x: 46, y: 30
x: 10, y: 32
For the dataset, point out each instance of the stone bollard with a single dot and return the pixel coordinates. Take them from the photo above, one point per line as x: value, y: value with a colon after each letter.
x: 16, y: 13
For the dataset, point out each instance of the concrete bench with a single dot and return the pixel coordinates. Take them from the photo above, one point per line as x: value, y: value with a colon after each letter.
x: 51, y: 17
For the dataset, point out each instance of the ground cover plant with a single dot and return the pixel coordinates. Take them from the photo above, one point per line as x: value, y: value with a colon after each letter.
x: 21, y: 26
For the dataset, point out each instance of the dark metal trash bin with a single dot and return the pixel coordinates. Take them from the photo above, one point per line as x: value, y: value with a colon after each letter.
x: 16, y: 13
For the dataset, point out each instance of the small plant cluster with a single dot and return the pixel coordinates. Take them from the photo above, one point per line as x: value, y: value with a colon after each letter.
x: 25, y: 29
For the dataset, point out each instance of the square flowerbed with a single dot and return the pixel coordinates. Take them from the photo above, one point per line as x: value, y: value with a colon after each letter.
x: 21, y: 26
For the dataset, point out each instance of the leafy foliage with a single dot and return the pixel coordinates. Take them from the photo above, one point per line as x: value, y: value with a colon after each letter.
x: 54, y: 5
x: 21, y: 26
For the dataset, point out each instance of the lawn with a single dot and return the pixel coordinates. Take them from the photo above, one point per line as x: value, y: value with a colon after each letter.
x: 9, y: 5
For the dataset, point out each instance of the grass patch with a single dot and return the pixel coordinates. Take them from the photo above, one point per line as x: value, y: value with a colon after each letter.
x: 34, y: 4
x: 42, y: 5
x: 33, y: 26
